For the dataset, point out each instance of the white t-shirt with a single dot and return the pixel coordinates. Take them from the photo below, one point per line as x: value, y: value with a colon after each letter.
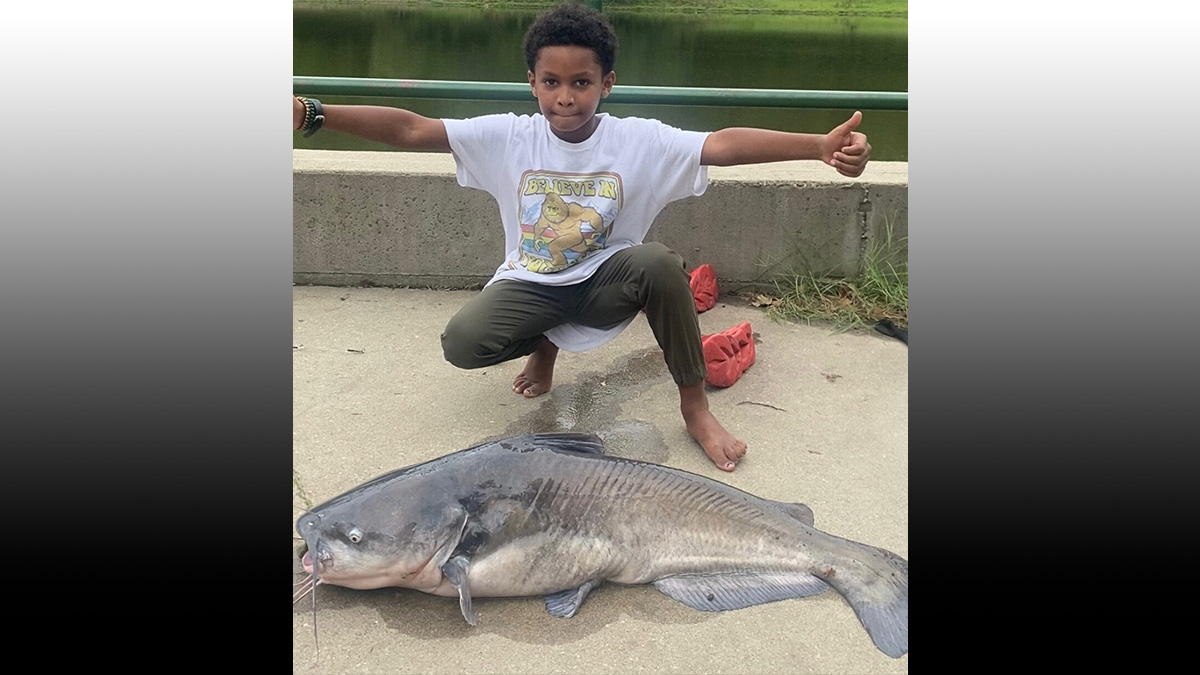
x: 567, y: 207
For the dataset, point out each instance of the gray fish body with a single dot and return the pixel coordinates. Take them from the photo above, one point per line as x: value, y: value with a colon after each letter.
x: 550, y: 515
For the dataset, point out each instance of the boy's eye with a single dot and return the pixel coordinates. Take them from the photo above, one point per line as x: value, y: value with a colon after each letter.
x: 582, y: 83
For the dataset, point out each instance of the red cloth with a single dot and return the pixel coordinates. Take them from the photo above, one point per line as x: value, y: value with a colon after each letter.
x: 704, y: 287
x: 728, y: 354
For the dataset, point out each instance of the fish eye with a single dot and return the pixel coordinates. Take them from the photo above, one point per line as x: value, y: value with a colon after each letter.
x: 355, y: 535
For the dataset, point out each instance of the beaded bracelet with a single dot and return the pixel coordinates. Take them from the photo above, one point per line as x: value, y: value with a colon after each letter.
x: 314, y: 116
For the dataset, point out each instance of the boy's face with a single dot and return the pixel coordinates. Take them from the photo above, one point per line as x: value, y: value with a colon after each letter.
x: 568, y: 85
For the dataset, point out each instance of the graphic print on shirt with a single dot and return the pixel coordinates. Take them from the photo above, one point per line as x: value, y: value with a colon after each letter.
x: 565, y: 217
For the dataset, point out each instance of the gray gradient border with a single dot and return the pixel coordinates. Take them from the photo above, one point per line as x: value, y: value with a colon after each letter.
x: 145, y: 266
x: 145, y: 284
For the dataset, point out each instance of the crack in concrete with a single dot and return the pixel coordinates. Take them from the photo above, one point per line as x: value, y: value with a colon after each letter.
x: 864, y: 231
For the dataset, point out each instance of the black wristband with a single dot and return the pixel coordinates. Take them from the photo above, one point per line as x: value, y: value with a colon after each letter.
x: 314, y: 116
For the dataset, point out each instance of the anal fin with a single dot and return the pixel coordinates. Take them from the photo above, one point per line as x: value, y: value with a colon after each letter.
x: 723, y: 592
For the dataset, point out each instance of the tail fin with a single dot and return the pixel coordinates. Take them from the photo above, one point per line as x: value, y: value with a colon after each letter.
x: 875, y: 583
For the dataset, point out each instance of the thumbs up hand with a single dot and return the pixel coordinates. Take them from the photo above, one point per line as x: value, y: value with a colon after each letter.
x: 845, y: 149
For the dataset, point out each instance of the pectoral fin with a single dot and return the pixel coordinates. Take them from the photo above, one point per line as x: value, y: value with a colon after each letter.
x: 455, y: 571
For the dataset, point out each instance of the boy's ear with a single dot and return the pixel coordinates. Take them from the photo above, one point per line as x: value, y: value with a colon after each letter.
x: 529, y: 74
x: 609, y: 80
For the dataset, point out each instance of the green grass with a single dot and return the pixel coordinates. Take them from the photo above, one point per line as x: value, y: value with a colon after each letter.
x: 879, y: 291
x: 873, y: 7
x: 892, y: 8
x: 300, y: 490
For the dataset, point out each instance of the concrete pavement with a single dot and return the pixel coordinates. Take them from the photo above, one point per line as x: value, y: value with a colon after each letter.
x: 825, y: 417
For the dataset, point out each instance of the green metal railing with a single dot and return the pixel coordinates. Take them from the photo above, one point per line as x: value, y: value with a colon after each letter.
x: 519, y: 91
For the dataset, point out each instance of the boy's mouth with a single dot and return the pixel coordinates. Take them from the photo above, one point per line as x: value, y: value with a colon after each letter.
x: 567, y: 120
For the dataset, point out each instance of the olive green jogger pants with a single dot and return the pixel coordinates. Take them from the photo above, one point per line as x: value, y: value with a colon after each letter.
x: 508, y: 319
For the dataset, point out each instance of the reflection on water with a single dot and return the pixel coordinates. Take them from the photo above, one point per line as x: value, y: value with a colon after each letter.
x: 770, y: 52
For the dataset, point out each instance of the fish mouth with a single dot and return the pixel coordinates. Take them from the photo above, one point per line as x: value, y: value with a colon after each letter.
x: 324, y: 558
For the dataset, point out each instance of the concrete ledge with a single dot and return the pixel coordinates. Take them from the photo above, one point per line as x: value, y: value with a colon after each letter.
x: 401, y: 219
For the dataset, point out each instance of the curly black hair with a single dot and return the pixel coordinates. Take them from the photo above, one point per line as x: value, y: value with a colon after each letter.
x: 573, y: 24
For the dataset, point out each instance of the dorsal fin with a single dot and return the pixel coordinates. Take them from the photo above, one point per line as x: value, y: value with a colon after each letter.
x: 554, y: 441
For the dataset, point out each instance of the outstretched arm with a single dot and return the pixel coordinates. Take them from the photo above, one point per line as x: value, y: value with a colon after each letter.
x: 393, y: 126
x: 843, y: 148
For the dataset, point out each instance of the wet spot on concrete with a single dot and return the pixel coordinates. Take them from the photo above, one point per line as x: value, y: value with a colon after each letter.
x: 592, y: 402
x: 636, y: 440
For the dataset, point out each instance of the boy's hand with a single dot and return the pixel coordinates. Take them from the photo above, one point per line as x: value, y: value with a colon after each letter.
x: 846, y: 149
x: 297, y: 113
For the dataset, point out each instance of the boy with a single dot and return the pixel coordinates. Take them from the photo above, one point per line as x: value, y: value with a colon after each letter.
x: 577, y: 192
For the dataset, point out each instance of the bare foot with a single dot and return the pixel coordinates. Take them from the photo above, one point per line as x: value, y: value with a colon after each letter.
x: 538, y: 373
x: 721, y: 447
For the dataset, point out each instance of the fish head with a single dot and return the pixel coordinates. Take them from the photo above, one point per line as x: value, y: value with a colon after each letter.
x: 381, y: 540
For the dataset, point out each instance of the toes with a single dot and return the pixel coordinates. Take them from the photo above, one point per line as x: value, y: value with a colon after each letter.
x: 735, y: 451
x: 724, y: 460
x: 716, y: 455
x: 535, y: 389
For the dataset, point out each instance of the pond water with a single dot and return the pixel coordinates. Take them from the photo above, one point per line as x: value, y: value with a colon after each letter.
x: 676, y: 50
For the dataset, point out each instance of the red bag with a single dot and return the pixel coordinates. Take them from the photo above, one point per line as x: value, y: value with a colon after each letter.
x: 704, y: 287
x: 727, y: 355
